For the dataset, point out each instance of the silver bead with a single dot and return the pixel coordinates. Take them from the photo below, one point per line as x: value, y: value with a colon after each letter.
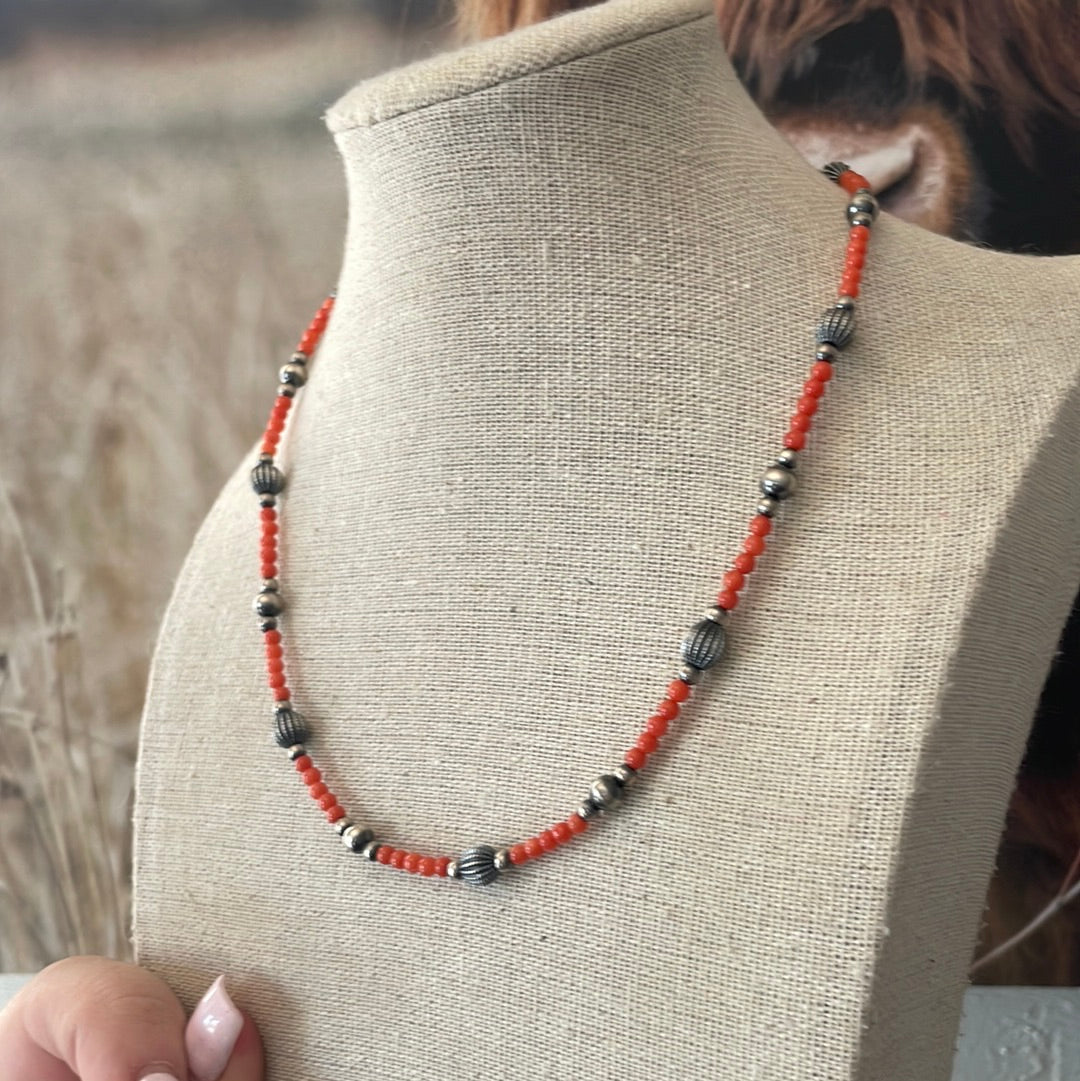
x: 370, y: 851
x: 689, y: 674
x: 860, y: 219
x: 295, y: 751
x: 778, y: 482
x: 837, y: 326
x: 477, y: 865
x: 788, y: 458
x: 286, y: 390
x: 269, y: 604
x: 588, y: 810
x: 268, y: 500
x: 266, y: 458
x: 502, y: 860
x: 768, y: 506
x: 717, y: 614
x: 846, y: 302
x: 624, y: 774
x: 268, y: 625
x: 828, y: 352
x: 453, y: 869
x: 835, y: 169
x: 298, y: 358
x: 271, y: 585
x: 703, y: 646
x: 341, y: 825
x: 267, y: 479
x: 294, y: 374
x: 606, y: 792
x: 289, y: 727
x: 356, y: 838
x: 862, y: 202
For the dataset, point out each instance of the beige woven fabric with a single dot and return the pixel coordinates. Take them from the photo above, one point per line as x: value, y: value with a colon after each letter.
x: 575, y: 313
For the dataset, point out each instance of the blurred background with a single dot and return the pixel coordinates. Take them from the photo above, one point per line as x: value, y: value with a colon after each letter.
x: 172, y: 212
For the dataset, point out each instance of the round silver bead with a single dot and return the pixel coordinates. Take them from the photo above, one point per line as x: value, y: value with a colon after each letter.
x: 826, y: 351
x: 295, y: 751
x: 778, y: 482
x: 269, y: 604
x: 271, y: 585
x: 861, y: 219
x: 268, y: 500
x: 341, y: 825
x: 768, y: 506
x: 788, y: 458
x: 717, y: 614
x: 298, y: 358
x: 588, y: 810
x: 606, y: 792
x: 846, y: 302
x: 356, y: 838
x: 286, y: 390
x: 624, y: 774
x: 689, y: 674
x: 502, y: 859
x: 862, y: 202
x: 266, y: 458
x: 453, y: 870
x: 370, y: 851
x: 293, y: 374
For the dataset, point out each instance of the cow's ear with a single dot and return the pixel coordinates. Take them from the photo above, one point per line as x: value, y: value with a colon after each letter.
x: 919, y: 164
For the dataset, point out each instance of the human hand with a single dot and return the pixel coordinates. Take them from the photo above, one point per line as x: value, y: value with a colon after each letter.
x: 92, y: 1019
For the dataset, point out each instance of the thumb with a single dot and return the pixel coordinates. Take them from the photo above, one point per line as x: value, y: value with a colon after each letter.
x: 93, y: 1019
x: 221, y: 1040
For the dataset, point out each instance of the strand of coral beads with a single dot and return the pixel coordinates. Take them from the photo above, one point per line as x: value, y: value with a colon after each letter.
x: 701, y: 648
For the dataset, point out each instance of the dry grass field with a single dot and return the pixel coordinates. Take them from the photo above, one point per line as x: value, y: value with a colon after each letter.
x: 171, y: 215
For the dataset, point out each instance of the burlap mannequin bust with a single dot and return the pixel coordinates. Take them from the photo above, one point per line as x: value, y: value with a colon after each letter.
x: 575, y: 312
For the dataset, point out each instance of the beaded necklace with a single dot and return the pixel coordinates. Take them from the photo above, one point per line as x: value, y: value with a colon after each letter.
x: 701, y: 648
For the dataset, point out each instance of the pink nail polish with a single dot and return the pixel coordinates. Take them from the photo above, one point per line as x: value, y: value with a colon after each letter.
x: 211, y: 1033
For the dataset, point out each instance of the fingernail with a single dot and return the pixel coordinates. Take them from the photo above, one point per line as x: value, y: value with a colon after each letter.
x: 159, y: 1076
x: 211, y: 1033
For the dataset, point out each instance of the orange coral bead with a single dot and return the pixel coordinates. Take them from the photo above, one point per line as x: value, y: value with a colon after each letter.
x: 318, y: 789
x: 427, y: 866
x: 668, y: 709
x: 744, y: 562
x: 634, y: 758
x: 822, y: 369
x: 517, y: 854
x: 561, y: 832
x: 657, y: 725
x: 282, y: 694
x: 851, y: 181
x: 441, y: 865
x: 335, y: 812
x: 754, y: 544
x: 761, y: 525
x: 311, y: 775
x: 727, y: 599
x: 303, y: 764
x: 397, y: 860
x: 533, y: 847
x: 548, y: 841
x: 647, y: 742
x: 794, y: 440
x: 807, y: 405
x: 576, y: 824
x: 733, y: 579
x: 412, y: 862
x: 678, y: 691
x: 327, y: 801
x: 800, y: 422
x: 813, y: 388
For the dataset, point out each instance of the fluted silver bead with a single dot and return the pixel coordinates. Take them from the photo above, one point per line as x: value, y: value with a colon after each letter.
x: 704, y: 644
x: 355, y: 838
x: 778, y: 482
x: 293, y: 374
x: 289, y: 727
x: 835, y: 169
x: 606, y: 792
x: 269, y: 604
x: 502, y: 860
x: 370, y: 851
x: 477, y: 865
x: 768, y: 506
x: 267, y: 479
x: 836, y: 327
x: 624, y: 774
